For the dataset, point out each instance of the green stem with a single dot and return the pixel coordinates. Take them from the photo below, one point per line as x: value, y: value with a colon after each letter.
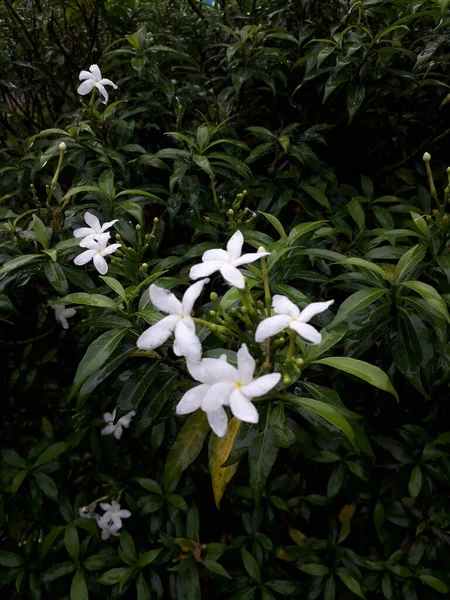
x: 213, y: 188
x: 291, y: 348
x: 265, y: 276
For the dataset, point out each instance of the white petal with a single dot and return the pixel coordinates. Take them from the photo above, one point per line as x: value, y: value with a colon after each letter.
x: 186, y: 342
x: 111, y: 248
x: 246, y: 364
x: 216, y: 370
x: 103, y: 92
x: 124, y: 513
x: 118, y: 432
x: 283, y: 306
x: 64, y: 323
x: 100, y: 263
x: 69, y: 312
x: 233, y: 276
x: 261, y: 385
x: 84, y: 257
x: 242, y: 408
x: 218, y: 395
x: 105, y: 534
x: 108, y: 224
x: 234, y: 246
x: 95, y: 241
x: 221, y: 255
x: 82, y: 232
x: 205, y: 269
x: 84, y: 75
x: 95, y: 70
x: 107, y: 82
x: 191, y: 295
x: 192, y: 399
x: 105, y: 506
x: 86, y: 87
x: 245, y: 259
x: 165, y: 300
x: 218, y: 421
x: 196, y: 369
x: 271, y: 326
x: 307, y: 332
x: 157, y: 334
x: 108, y: 417
x: 313, y: 309
x: 108, y: 430
x: 92, y: 221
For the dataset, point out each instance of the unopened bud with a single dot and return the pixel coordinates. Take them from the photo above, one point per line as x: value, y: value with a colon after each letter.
x: 230, y: 212
x: 155, y: 220
x: 426, y: 157
x: 287, y: 380
x: 299, y: 361
x: 212, y: 313
x: 138, y: 227
x: 261, y: 249
x: 244, y: 192
x: 62, y: 147
x: 208, y: 219
x: 266, y: 366
x: 445, y: 218
x: 214, y: 296
x: 144, y: 266
x: 428, y: 217
x: 435, y: 211
x: 240, y: 196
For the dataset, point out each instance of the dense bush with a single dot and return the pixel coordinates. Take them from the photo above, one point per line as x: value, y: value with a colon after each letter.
x: 181, y: 421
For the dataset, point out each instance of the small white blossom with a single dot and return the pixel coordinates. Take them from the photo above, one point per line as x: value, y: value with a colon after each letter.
x: 116, y: 428
x: 178, y: 321
x: 111, y: 520
x: 62, y: 314
x: 95, y: 227
x: 226, y: 261
x: 222, y: 384
x: 108, y: 530
x: 289, y: 316
x: 93, y: 78
x: 97, y: 250
x: 89, y: 513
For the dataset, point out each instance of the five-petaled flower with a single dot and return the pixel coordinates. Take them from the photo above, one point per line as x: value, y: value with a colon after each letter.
x: 116, y: 428
x: 62, y: 314
x: 97, y: 250
x: 111, y: 521
x: 93, y: 78
x: 222, y: 384
x: 95, y: 228
x: 178, y: 321
x: 289, y: 315
x: 226, y: 261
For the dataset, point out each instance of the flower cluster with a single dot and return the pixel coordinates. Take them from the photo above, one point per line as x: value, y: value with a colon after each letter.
x: 111, y: 521
x: 222, y: 384
x: 95, y: 238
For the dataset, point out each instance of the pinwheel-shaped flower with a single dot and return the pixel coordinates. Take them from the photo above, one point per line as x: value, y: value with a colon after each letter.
x: 95, y: 227
x: 178, y: 321
x: 226, y: 261
x: 113, y: 514
x: 225, y: 385
x: 289, y: 315
x: 62, y: 314
x: 97, y: 250
x: 116, y: 429
x: 93, y: 78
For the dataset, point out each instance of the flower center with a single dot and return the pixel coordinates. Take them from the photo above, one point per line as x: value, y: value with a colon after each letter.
x: 238, y: 384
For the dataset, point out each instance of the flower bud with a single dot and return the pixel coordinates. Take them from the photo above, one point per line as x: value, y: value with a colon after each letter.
x: 240, y: 196
x: 138, y: 227
x: 244, y: 192
x: 230, y: 212
x: 266, y: 366
x: 212, y: 313
x: 299, y: 361
x: 261, y: 249
x: 435, y: 211
x: 214, y: 297
x: 155, y: 220
x: 445, y: 218
x: 428, y: 217
x: 426, y: 157
x: 287, y: 380
x: 62, y: 147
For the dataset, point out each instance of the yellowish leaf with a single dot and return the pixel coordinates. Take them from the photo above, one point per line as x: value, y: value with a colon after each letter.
x: 219, y: 450
x: 347, y: 513
x: 297, y: 536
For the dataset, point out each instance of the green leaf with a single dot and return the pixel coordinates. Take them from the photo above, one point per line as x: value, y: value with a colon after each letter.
x: 51, y: 453
x: 408, y: 262
x: 262, y: 455
x: 415, y: 482
x: 137, y: 386
x: 361, y: 369
x: 317, y: 194
x: 330, y: 589
x: 96, y: 355
x: 435, y: 583
x: 276, y: 223
x: 315, y: 569
x: 47, y: 485
x: 55, y: 275
x: 352, y: 584
x: 251, y: 566
x: 127, y: 545
x: 71, y: 541
x: 106, y: 182
x: 431, y: 296
x: 10, y: 457
x: 186, y: 448
x: 94, y: 562
x: 10, y: 560
x: 327, y: 412
x: 58, y: 571
x: 202, y: 136
x: 143, y: 593
x: 85, y: 188
x: 18, y: 480
x: 150, y: 485
x: 204, y: 164
x: 357, y: 213
x: 40, y: 231
x: 357, y: 302
x: 214, y: 567
x: 366, y: 264
x: 148, y: 557
x: 78, y: 589
x: 114, y: 575
x: 115, y: 285
x: 19, y: 261
x: 356, y: 92
x: 302, y: 229
x: 88, y: 300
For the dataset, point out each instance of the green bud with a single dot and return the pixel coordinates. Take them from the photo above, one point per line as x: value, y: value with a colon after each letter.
x: 244, y: 310
x: 435, y: 211
x: 287, y: 380
x: 426, y: 157
x: 214, y: 297
x: 244, y: 193
x: 240, y: 196
x: 230, y: 212
x: 299, y: 361
x: 445, y: 218
x: 138, y: 227
x: 62, y: 147
x: 155, y: 220
x: 266, y: 366
x: 428, y: 217
x: 212, y: 313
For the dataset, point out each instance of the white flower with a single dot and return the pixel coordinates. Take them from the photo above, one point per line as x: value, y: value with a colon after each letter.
x: 94, y: 229
x: 113, y: 515
x: 62, y: 314
x: 89, y: 513
x: 96, y: 252
x: 289, y: 315
x: 225, y: 385
x: 108, y: 530
x: 94, y: 79
x: 226, y: 261
x: 116, y: 428
x: 178, y: 321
